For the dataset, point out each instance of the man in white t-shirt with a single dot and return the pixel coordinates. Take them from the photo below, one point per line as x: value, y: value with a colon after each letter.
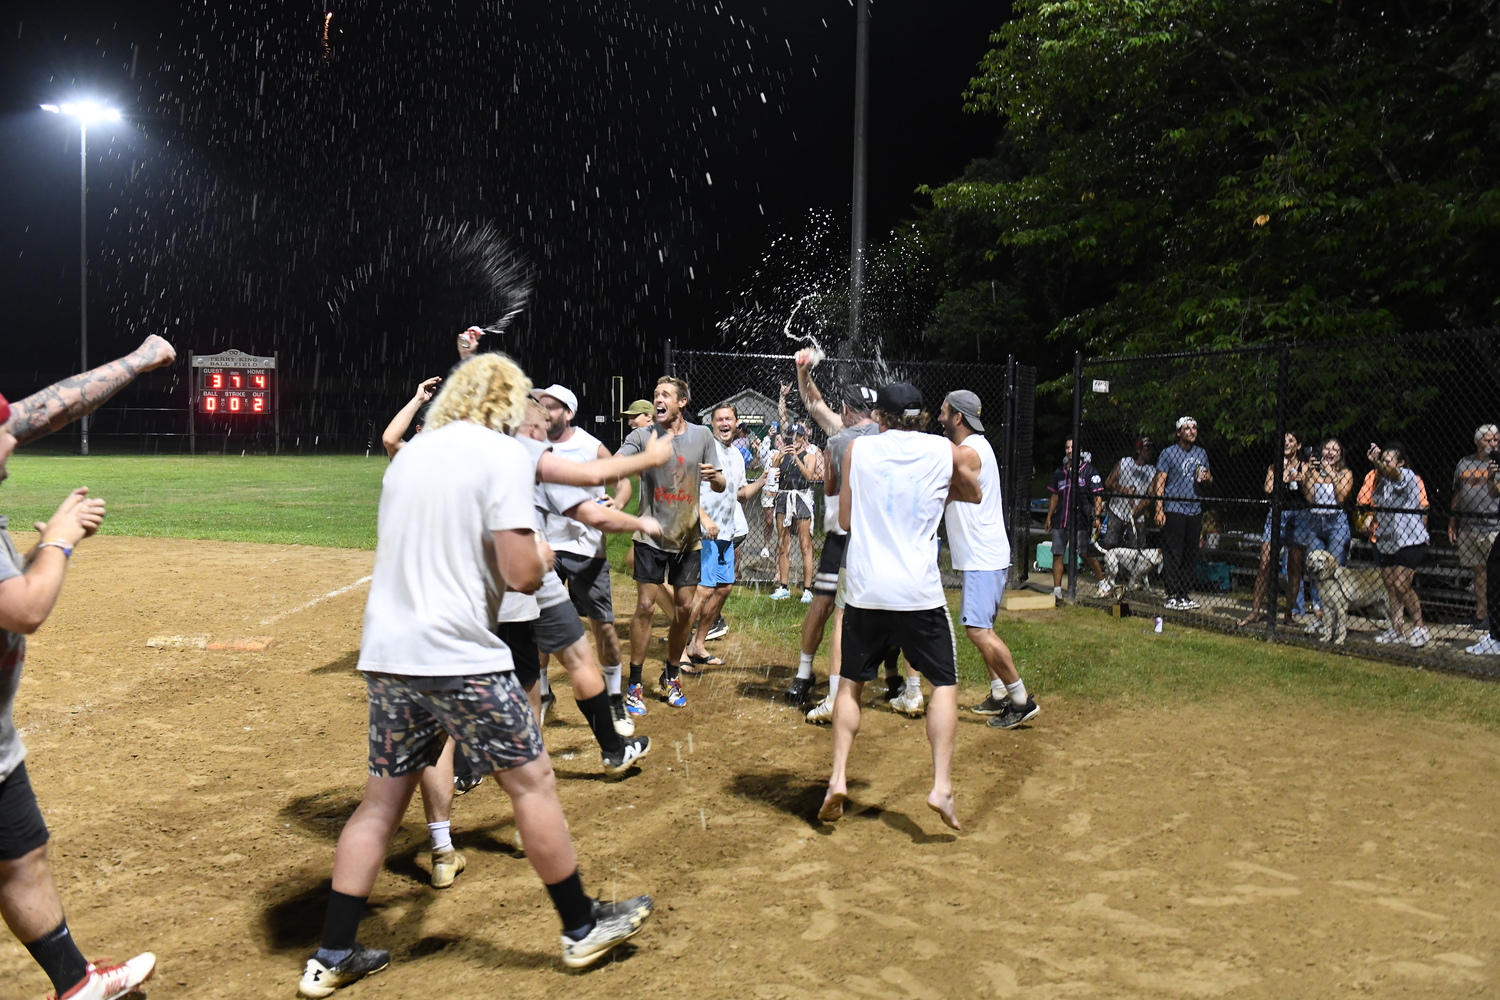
x: 981, y: 552
x: 896, y: 485
x: 456, y: 531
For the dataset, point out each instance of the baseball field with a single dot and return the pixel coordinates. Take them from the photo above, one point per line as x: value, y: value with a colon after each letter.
x: 1191, y: 815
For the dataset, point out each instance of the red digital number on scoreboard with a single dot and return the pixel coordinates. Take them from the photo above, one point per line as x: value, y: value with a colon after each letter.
x: 210, y: 403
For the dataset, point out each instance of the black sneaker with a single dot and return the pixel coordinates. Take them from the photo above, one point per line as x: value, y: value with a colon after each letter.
x: 895, y: 687
x: 992, y: 705
x: 318, y: 980
x: 719, y: 630
x: 800, y: 693
x: 548, y: 700
x: 466, y: 783
x: 613, y: 923
x: 1015, y: 714
x: 634, y: 750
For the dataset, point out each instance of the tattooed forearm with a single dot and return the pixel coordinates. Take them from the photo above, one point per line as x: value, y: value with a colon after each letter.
x: 60, y: 404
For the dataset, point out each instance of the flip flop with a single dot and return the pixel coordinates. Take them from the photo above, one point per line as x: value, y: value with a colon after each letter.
x: 707, y: 661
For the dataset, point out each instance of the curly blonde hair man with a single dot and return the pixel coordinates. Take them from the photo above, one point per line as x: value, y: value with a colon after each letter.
x: 488, y: 389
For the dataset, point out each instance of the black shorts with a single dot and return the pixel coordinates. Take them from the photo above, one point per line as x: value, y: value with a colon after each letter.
x: 517, y: 635
x: 22, y: 829
x: 826, y: 582
x: 1408, y: 557
x: 588, y: 585
x: 680, y: 569
x: 926, y: 637
x: 557, y: 628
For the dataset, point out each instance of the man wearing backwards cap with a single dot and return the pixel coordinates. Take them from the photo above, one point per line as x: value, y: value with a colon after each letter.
x: 1180, y: 471
x: 896, y: 485
x: 29, y: 589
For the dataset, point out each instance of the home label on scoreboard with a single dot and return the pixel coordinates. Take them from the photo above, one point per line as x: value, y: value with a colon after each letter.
x: 234, y: 382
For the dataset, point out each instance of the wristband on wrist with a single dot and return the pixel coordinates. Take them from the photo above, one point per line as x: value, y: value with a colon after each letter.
x: 57, y: 543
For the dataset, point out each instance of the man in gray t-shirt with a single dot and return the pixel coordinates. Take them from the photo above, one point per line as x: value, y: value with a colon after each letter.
x: 1181, y: 470
x: 1473, y: 524
x: 669, y: 493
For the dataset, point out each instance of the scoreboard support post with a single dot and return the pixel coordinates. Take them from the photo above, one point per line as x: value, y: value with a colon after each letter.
x: 192, y: 407
x: 276, y: 401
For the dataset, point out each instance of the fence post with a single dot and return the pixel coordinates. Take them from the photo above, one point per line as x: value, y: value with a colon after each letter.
x: 276, y: 404
x: 669, y: 366
x: 1074, y: 508
x: 192, y: 406
x: 1274, y: 576
x: 1008, y: 486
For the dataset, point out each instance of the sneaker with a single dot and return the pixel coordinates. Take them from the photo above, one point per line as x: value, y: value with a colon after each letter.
x: 909, y: 704
x: 992, y: 705
x: 634, y: 750
x: 445, y: 868
x: 1389, y: 636
x: 116, y: 980
x: 1057, y: 593
x: 621, y: 717
x: 671, y: 691
x: 806, y: 596
x: 1188, y: 604
x: 1174, y: 604
x: 1484, y: 647
x: 781, y: 593
x: 635, y: 699
x: 800, y: 690
x: 765, y: 553
x: 1314, y: 626
x: 720, y: 629
x: 895, y: 686
x: 318, y: 980
x: 1105, y: 587
x: 548, y: 700
x: 1015, y: 714
x: 463, y: 784
x: 823, y: 711
x: 1419, y: 637
x: 613, y: 924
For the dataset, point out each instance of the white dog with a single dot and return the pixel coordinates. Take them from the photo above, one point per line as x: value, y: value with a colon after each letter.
x: 1138, y: 564
x: 1344, y: 590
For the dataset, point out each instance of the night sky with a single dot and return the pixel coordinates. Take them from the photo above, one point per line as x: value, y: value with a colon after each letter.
x: 343, y: 203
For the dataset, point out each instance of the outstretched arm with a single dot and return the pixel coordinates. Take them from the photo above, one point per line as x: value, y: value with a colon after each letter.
x: 611, y: 521
x: 60, y: 404
x: 551, y: 469
x: 813, y: 400
x: 396, y: 429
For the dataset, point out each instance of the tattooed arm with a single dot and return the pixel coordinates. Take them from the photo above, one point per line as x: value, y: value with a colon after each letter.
x: 60, y: 404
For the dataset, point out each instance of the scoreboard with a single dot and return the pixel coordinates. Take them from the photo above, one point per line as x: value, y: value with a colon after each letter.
x: 234, y: 384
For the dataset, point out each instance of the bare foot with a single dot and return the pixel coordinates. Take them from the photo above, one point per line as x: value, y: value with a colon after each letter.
x: 944, y: 806
x: 833, y: 806
x: 1249, y: 619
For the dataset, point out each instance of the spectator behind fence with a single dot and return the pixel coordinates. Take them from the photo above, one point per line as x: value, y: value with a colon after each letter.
x: 1399, y: 531
x: 1473, y: 525
x: 1129, y: 483
x: 1292, y: 473
x: 1091, y: 487
x: 1490, y: 644
x: 1181, y: 470
x: 1323, y: 524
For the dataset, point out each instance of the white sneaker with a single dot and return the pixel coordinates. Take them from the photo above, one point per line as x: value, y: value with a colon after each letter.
x: 122, y: 979
x: 780, y: 594
x: 765, y: 553
x: 1057, y: 593
x: 1484, y: 647
x: 1420, y: 637
x: 909, y: 703
x: 806, y: 596
x: 1173, y: 604
x: 1389, y: 636
x: 823, y: 711
x: 1104, y: 588
x: 1188, y: 604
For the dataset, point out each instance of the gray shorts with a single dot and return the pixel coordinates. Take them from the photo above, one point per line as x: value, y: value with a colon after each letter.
x: 557, y: 628
x: 983, y: 589
x: 489, y: 718
x: 587, y: 578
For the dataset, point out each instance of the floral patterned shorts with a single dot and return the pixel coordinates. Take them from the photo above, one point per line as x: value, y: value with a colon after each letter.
x: 489, y: 718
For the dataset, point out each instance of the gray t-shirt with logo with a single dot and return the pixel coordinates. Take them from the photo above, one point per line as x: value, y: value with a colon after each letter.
x: 1471, y: 494
x: 670, y: 492
x: 12, y: 657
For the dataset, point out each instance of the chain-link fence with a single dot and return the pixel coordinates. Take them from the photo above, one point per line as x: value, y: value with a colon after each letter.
x: 756, y: 383
x: 1336, y: 493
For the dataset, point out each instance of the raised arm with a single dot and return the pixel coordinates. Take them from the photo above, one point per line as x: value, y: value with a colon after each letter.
x: 27, y: 600
x: 781, y: 409
x: 552, y: 469
x: 396, y: 429
x: 813, y: 400
x: 751, y: 488
x: 60, y: 404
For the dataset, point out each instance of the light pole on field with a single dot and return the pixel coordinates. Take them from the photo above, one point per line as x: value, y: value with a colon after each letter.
x: 861, y: 175
x: 86, y: 113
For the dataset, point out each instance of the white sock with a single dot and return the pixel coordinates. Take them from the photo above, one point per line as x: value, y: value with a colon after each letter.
x: 1056, y: 591
x: 442, y: 839
x: 804, y: 666
x: 833, y: 686
x: 612, y: 677
x: 1017, y: 692
x: 546, y: 685
x: 997, y: 688
x: 914, y: 685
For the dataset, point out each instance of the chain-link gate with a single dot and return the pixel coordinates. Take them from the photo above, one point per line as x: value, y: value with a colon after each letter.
x: 754, y: 384
x: 1337, y: 493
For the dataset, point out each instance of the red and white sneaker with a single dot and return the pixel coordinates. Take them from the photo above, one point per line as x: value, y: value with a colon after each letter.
x: 122, y: 980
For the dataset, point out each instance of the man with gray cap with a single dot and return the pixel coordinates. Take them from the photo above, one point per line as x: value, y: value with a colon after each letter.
x: 981, y: 552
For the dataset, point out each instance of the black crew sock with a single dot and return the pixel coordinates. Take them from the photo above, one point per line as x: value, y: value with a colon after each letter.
x: 341, y: 923
x: 635, y: 672
x: 574, y: 907
x: 893, y: 663
x: 461, y: 766
x: 674, y: 670
x: 58, y: 955
x: 602, y: 721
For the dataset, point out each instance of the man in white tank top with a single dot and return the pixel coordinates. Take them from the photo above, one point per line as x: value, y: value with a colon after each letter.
x: 981, y: 552
x: 896, y: 484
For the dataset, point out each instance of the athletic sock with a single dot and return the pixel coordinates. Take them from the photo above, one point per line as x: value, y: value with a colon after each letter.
x: 673, y: 670
x: 340, y: 927
x: 1018, y: 692
x: 442, y: 835
x: 636, y: 670
x: 546, y: 685
x: 997, y: 688
x: 804, y: 667
x: 833, y: 686
x: 602, y: 722
x: 574, y: 907
x: 893, y: 663
x: 58, y: 955
x: 914, y: 685
x: 612, y: 677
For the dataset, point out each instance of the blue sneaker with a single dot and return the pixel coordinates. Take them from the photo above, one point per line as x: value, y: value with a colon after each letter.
x: 671, y: 691
x: 635, y: 699
x: 780, y: 593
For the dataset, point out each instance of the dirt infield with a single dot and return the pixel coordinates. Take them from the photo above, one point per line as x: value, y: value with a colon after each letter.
x: 1111, y: 850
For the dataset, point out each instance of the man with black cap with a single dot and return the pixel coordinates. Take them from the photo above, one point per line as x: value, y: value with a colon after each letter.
x: 895, y: 486
x: 981, y: 552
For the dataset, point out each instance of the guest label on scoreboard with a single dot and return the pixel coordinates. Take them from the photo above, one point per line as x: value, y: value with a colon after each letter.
x: 234, y: 383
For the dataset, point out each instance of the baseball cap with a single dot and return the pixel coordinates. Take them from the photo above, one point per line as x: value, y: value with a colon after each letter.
x: 965, y: 402
x: 1144, y: 441
x: 860, y: 398
x: 637, y: 408
x: 899, y: 399
x: 1184, y: 421
x: 4, y: 411
x: 799, y: 429
x: 560, y: 393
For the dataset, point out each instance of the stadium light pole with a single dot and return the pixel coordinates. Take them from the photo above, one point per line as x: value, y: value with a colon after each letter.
x: 86, y: 113
x: 857, y: 228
